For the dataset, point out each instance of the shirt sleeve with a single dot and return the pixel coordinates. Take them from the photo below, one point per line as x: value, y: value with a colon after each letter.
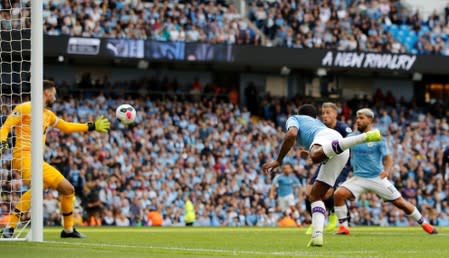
x: 291, y: 122
x: 11, y: 121
x: 276, y: 181
x: 66, y: 127
x: 347, y: 130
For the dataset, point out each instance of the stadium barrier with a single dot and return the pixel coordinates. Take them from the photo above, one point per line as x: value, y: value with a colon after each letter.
x: 255, y: 56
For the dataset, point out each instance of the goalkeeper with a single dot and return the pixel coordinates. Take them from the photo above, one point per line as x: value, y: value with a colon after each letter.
x: 20, y: 119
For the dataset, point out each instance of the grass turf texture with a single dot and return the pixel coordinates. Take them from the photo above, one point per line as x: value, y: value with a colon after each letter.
x: 228, y: 242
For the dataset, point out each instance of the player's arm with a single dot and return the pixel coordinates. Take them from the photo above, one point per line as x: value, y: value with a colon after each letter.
x: 387, y: 160
x: 272, y: 191
x: 388, y: 164
x: 274, y: 185
x: 101, y: 125
x: 11, y: 121
x: 287, y: 144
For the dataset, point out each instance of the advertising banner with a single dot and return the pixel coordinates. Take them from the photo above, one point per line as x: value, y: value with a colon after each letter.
x: 253, y: 56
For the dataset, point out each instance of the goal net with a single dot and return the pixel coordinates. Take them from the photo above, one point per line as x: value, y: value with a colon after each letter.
x: 15, y: 76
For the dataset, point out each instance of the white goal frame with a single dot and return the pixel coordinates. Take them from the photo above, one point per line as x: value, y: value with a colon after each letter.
x: 37, y: 63
x: 36, y: 233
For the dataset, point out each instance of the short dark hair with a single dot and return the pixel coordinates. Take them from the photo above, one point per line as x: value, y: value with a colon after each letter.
x: 308, y: 110
x: 48, y: 84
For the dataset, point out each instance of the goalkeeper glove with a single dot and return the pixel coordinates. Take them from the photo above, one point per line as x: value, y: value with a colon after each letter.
x: 4, y: 146
x: 100, y: 125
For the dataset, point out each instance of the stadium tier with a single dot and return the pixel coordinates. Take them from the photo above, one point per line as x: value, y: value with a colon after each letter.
x: 379, y: 26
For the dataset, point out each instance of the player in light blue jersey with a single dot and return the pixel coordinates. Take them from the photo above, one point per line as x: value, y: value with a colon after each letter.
x: 284, y: 186
x: 329, y: 116
x: 325, y: 146
x: 371, y: 163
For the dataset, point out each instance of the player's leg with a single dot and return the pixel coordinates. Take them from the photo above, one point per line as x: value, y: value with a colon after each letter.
x: 351, y: 189
x: 327, y: 175
x: 308, y: 204
x: 318, y: 191
x: 55, y: 180
x: 20, y: 164
x: 309, y: 189
x: 341, y: 210
x: 414, y: 213
x: 283, y: 204
x: 386, y: 190
x: 292, y: 209
x: 340, y: 144
x: 328, y: 143
x: 329, y: 202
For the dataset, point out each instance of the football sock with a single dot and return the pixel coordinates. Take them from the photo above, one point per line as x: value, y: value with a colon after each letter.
x: 342, y: 215
x: 67, y: 211
x: 417, y: 216
x: 318, y: 215
x: 22, y: 206
x: 338, y: 146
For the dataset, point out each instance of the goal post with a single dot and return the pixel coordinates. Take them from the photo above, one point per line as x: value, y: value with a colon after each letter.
x: 21, y: 73
x: 37, y: 62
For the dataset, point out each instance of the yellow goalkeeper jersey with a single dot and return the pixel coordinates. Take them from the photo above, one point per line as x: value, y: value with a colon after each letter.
x: 20, y: 118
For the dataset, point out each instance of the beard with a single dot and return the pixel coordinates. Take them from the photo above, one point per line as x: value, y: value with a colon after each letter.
x: 361, y: 128
x: 49, y: 104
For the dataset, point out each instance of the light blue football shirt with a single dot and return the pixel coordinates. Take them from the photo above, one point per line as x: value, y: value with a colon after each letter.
x: 308, y: 128
x: 367, y: 158
x: 285, y: 184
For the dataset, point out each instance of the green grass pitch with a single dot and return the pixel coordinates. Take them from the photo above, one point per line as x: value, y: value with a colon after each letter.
x: 232, y: 242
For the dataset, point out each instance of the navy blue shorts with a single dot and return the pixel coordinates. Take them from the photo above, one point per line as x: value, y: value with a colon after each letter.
x: 340, y: 179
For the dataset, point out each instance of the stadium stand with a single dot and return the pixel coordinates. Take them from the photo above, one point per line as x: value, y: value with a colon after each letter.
x: 213, y: 150
x: 371, y: 25
x: 165, y: 21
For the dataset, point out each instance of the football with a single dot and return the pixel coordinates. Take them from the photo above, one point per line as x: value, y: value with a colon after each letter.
x: 126, y: 114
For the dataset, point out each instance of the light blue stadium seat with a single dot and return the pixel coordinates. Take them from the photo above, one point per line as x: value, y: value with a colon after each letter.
x: 404, y: 27
x: 394, y: 27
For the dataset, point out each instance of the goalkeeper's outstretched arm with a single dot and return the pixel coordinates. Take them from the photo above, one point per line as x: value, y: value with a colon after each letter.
x: 101, y: 125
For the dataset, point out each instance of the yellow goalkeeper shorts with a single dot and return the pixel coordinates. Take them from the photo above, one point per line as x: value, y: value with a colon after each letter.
x: 21, y: 164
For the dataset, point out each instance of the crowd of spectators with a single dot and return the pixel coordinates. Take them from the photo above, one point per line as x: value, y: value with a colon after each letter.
x: 190, y: 21
x: 210, y: 151
x: 371, y: 25
x: 364, y: 25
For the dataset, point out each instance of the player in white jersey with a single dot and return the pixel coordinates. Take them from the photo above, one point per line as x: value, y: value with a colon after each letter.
x: 371, y: 163
x: 325, y: 146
